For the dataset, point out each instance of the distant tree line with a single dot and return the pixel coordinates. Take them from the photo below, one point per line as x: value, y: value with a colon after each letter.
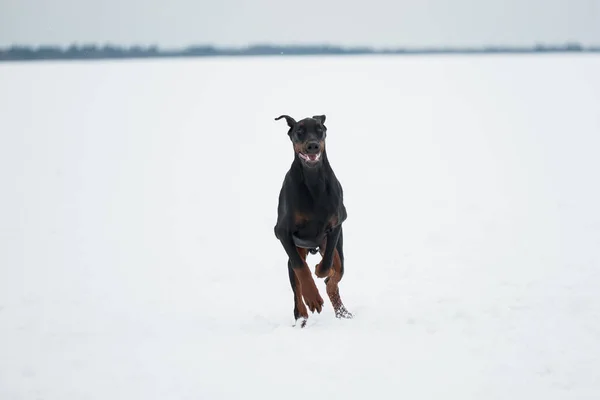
x: 94, y: 52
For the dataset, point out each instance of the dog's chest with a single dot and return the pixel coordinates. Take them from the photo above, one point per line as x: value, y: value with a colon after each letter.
x: 313, y: 225
x: 316, y: 210
x: 321, y: 204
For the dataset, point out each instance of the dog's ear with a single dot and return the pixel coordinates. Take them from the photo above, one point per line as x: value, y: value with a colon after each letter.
x: 290, y: 121
x: 320, y: 118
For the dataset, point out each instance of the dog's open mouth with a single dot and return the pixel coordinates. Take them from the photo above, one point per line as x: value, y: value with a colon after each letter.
x: 310, y: 158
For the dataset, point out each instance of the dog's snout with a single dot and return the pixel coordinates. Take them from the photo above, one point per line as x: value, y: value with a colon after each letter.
x: 313, y: 147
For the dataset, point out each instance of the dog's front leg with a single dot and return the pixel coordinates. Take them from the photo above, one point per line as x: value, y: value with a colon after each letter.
x: 306, y: 283
x: 324, y: 267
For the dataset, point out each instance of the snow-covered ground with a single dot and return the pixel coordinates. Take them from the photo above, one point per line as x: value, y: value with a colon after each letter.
x: 138, y: 199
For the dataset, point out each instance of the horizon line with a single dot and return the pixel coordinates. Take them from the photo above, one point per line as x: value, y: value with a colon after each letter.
x: 91, y: 52
x: 251, y: 45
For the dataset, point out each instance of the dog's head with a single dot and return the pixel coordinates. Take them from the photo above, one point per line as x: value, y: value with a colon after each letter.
x: 308, y: 136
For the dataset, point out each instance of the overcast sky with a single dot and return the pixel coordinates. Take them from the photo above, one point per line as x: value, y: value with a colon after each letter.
x: 177, y: 23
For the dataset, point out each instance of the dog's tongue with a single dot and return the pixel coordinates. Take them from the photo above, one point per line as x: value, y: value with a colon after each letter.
x: 313, y: 157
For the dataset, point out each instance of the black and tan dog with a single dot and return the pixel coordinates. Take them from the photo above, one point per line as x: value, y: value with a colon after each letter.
x: 309, y: 218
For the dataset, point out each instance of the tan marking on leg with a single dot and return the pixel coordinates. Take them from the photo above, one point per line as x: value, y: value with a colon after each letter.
x: 334, y: 278
x: 332, y: 286
x: 308, y: 288
x: 299, y: 302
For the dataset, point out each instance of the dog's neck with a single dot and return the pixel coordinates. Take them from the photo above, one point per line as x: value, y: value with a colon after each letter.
x: 315, y: 179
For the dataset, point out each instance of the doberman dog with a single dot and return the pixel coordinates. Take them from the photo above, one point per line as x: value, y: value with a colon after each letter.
x: 310, y: 214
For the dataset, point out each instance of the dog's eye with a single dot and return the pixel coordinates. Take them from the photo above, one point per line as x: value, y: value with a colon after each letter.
x: 300, y: 133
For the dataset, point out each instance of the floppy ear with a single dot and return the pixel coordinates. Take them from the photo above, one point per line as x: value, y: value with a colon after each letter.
x: 290, y: 121
x: 320, y: 118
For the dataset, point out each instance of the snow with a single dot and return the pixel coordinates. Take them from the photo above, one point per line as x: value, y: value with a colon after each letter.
x: 138, y: 199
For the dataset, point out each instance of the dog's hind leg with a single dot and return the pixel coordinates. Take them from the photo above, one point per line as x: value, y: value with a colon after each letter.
x: 300, y: 312
x: 340, y: 249
x: 333, y: 279
x: 333, y: 290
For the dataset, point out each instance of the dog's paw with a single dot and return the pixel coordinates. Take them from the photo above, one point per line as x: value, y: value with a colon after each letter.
x: 300, y: 322
x: 312, y: 298
x: 342, y: 312
x: 315, y: 303
x: 320, y: 272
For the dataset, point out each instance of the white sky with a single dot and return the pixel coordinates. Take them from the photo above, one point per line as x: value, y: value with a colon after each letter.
x: 177, y: 23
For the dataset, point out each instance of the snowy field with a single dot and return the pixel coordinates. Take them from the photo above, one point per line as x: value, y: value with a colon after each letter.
x: 138, y: 199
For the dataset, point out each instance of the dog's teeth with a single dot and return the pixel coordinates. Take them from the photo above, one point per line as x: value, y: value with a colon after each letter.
x: 311, y: 157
